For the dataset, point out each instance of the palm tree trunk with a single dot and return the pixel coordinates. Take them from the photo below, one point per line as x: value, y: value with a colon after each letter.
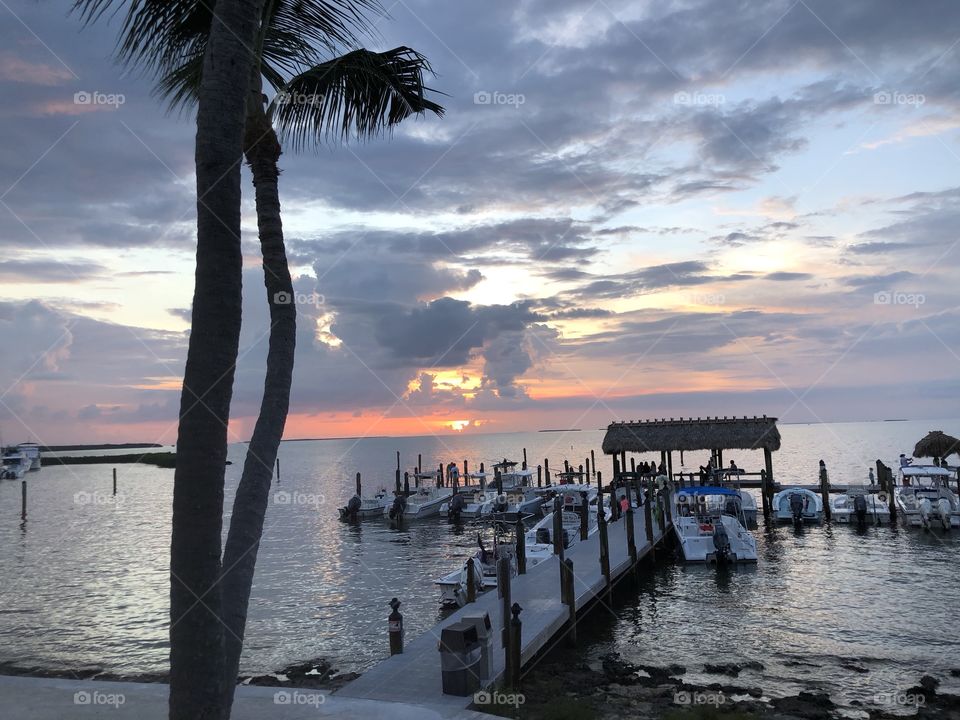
x: 196, y: 631
x: 249, y: 508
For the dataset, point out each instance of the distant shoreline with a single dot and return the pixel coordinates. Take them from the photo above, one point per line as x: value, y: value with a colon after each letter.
x: 561, y: 430
x: 103, y: 446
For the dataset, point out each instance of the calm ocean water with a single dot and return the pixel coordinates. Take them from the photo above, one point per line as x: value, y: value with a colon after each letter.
x: 85, y: 581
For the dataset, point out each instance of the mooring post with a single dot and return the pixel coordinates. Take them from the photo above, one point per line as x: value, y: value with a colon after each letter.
x: 359, y: 492
x: 114, y: 481
x: 23, y: 499
x: 278, y: 470
x: 471, y: 581
x: 668, y: 502
x: 764, y: 494
x: 406, y: 483
x: 441, y: 476
x: 885, y: 478
x: 524, y: 459
x: 483, y: 478
x: 586, y: 462
x: 395, y: 628
x: 419, y: 463
x: 466, y: 474
x: 566, y: 467
x: 569, y: 597
x: 648, y: 515
x: 633, y: 464
x: 521, y: 548
x: 669, y: 463
x: 516, y: 640
x: 539, y: 475
x: 825, y: 489
x: 631, y: 541
x: 593, y: 462
x: 604, y: 543
x: 584, y: 515
x: 503, y: 588
x: 546, y: 470
x: 557, y: 527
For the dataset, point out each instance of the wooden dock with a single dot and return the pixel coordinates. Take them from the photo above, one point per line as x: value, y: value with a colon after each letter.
x: 414, y: 677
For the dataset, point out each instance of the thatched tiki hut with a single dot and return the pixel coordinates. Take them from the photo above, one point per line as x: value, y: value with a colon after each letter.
x: 714, y: 434
x: 937, y: 444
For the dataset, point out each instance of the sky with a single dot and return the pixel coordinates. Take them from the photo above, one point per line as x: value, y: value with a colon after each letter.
x: 629, y: 210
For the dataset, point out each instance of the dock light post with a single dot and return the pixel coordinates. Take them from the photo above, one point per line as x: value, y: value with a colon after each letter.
x: 395, y: 628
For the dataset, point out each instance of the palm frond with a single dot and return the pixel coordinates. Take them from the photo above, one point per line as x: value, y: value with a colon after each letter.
x: 161, y: 35
x: 362, y: 93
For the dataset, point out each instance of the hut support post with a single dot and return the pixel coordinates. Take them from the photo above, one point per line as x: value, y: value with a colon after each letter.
x: 669, y: 464
x: 765, y: 494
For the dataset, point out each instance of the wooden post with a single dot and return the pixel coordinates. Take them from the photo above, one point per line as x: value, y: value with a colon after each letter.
x: 278, y: 470
x: 669, y: 464
x: 359, y: 493
x: 765, y: 494
x: 668, y: 504
x: 631, y: 541
x: 663, y: 459
x: 539, y: 475
x: 503, y: 589
x: 623, y: 460
x: 516, y: 641
x: 466, y: 473
x: 397, y: 478
x: 566, y: 466
x: 584, y: 518
x: 633, y: 464
x: 521, y: 548
x: 115, y: 481
x: 524, y: 459
x: 395, y: 627
x: 471, y: 581
x: 419, y: 463
x: 825, y: 489
x: 648, y: 515
x: 885, y: 478
x: 23, y: 499
x: 441, y: 476
x: 406, y: 482
x: 588, y: 475
x: 546, y: 470
x: 568, y: 593
x: 557, y: 527
x: 719, y: 458
x: 616, y: 470
x: 768, y: 463
x: 593, y: 462
x: 604, y: 541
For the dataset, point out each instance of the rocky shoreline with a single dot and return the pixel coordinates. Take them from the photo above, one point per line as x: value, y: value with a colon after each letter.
x: 612, y: 689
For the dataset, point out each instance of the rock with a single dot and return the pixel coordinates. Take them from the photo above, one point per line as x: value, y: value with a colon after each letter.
x: 854, y: 667
x: 929, y: 684
x: 805, y: 705
x: 730, y: 669
x: 955, y: 672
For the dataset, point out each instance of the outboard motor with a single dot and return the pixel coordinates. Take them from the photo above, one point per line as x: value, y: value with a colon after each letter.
x: 944, y: 508
x: 398, y: 507
x: 353, y: 508
x: 456, y: 507
x: 500, y: 504
x: 860, y: 509
x: 925, y: 508
x: 721, y: 542
x: 543, y: 536
x: 796, y: 507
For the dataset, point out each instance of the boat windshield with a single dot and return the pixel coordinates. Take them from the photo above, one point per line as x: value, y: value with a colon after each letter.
x: 710, y: 505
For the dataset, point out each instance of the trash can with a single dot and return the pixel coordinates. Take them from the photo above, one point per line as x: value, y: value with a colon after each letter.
x: 460, y: 659
x: 481, y: 621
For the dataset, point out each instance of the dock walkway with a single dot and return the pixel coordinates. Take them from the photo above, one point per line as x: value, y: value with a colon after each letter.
x: 414, y: 676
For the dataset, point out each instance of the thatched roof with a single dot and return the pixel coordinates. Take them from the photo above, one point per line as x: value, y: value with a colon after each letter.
x: 692, y: 434
x: 936, y: 444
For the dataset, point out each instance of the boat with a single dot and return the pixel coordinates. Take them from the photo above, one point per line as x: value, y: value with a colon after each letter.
x: 15, y: 464
x: 924, y: 498
x: 453, y: 586
x: 748, y: 503
x: 365, y: 508
x: 420, y: 503
x: 730, y: 477
x: 32, y: 451
x: 710, y: 526
x: 860, y: 505
x: 797, y: 505
x: 539, y: 538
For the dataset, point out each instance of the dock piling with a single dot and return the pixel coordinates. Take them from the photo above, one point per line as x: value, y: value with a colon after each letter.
x: 23, y: 499
x: 516, y: 637
x: 278, y: 471
x: 539, y: 475
x: 569, y: 598
x: 588, y: 475
x: 395, y: 627
x: 825, y: 490
x: 584, y: 515
x: 114, y: 482
x: 521, y: 549
x: 631, y: 541
x: 593, y: 462
x: 359, y: 491
x: 524, y: 459
x: 604, y: 543
x: 557, y: 527
x: 648, y: 515
x: 406, y: 483
x: 471, y: 581
x: 765, y: 494
x: 503, y: 588
x: 546, y: 470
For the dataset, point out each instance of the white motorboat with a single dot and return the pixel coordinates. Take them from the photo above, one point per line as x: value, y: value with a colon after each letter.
x: 797, y: 505
x: 32, y: 451
x: 710, y: 526
x: 420, y: 503
x: 860, y: 505
x: 365, y: 508
x: 748, y: 503
x: 924, y: 498
x: 572, y: 498
x: 453, y: 586
x: 470, y: 503
x: 15, y: 464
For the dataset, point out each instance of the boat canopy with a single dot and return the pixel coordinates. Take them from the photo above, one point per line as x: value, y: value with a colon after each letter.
x: 925, y: 471
x: 709, y: 490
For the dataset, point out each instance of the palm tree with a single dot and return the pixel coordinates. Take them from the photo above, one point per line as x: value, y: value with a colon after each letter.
x: 360, y: 93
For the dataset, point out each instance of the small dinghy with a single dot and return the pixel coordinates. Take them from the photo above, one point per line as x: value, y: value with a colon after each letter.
x: 861, y: 506
x: 365, y: 508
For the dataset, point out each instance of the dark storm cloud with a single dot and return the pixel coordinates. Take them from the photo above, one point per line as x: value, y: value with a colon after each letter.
x: 646, y: 280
